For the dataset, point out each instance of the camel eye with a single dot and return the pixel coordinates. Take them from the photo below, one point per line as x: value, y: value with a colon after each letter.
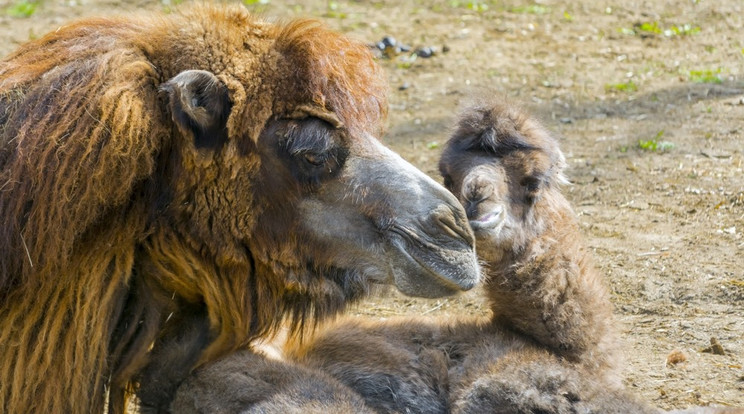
x: 315, y: 159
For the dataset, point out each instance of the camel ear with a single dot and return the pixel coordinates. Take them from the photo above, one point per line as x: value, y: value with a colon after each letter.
x: 199, y: 104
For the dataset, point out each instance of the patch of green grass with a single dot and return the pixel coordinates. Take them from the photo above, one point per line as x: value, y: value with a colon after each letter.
x: 257, y: 6
x: 706, y: 76
x: 168, y: 5
x: 478, y: 6
x: 628, y: 86
x: 531, y: 9
x: 432, y: 145
x: 333, y: 10
x: 655, y: 144
x: 649, y: 145
x: 682, y: 30
x: 649, y: 27
x: 405, y: 64
x: 567, y: 16
x: 653, y: 28
x: 21, y: 8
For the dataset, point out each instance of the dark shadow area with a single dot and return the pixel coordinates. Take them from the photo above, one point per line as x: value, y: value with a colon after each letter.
x: 652, y: 103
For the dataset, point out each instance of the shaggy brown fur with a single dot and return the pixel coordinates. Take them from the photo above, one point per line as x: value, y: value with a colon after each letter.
x: 533, y: 380
x: 422, y: 366
x: 245, y: 382
x: 397, y: 366
x: 150, y: 205
x: 419, y: 365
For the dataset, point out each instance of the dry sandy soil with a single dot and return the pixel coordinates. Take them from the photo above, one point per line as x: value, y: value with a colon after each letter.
x: 648, y: 100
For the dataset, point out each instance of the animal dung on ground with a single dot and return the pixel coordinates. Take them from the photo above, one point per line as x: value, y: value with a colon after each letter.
x: 676, y: 357
x: 715, y: 348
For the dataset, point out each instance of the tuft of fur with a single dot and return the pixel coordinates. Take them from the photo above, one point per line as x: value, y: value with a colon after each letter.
x: 399, y: 366
x: 536, y: 381
x: 116, y: 231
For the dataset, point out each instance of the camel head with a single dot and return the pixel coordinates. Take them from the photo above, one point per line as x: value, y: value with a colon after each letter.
x: 313, y: 195
x: 505, y: 169
x: 361, y: 213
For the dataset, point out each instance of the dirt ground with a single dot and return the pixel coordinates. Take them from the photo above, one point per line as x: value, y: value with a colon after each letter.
x: 648, y: 99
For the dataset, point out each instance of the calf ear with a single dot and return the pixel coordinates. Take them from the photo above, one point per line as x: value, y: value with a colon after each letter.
x: 199, y: 104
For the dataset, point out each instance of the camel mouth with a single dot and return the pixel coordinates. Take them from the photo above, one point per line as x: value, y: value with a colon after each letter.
x: 432, y: 270
x: 489, y: 221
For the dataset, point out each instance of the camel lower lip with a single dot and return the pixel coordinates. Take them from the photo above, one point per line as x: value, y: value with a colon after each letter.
x: 447, y: 279
x: 488, y: 221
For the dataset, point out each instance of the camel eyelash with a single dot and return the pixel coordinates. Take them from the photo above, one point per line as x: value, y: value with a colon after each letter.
x: 314, y: 150
x: 310, y: 136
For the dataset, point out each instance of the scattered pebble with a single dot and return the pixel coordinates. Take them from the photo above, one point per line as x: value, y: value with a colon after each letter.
x: 404, y: 86
x: 389, y: 48
x: 425, y: 52
x: 676, y: 357
x: 728, y: 230
x: 388, y: 41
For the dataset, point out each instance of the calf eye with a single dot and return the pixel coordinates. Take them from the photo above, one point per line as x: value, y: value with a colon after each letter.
x: 531, y: 183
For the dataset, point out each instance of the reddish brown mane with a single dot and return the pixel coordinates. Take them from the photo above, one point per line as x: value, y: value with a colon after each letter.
x: 322, y: 60
x: 78, y: 87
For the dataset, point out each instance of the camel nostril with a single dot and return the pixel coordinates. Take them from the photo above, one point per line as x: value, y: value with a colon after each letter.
x: 471, y: 209
x: 477, y: 190
x: 454, y: 224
